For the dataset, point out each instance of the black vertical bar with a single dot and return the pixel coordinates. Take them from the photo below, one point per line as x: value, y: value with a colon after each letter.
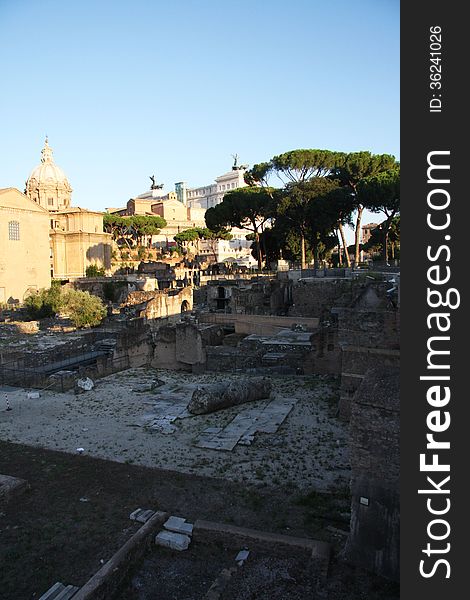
x: 433, y: 247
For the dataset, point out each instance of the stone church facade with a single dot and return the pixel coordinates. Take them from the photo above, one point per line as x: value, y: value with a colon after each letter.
x: 25, y: 263
x: 42, y: 236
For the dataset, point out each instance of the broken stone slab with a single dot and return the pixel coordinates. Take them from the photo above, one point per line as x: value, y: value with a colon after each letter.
x: 141, y: 515
x: 241, y: 557
x: 269, y: 420
x: 166, y: 412
x: 178, y: 525
x: 228, y: 437
x: 84, y: 385
x: 59, y: 591
x: 172, y: 540
x: 215, y: 397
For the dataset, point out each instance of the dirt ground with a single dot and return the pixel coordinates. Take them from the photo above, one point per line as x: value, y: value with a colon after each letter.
x: 309, y: 449
x: 75, y: 514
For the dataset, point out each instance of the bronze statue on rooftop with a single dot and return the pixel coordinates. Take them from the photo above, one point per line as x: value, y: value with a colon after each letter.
x: 155, y: 186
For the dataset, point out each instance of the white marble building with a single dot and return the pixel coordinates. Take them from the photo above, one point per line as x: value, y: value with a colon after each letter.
x: 209, y: 195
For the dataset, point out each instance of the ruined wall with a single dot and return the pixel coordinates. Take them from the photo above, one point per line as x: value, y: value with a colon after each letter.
x: 259, y: 324
x: 367, y: 338
x: 326, y: 355
x: 159, y: 304
x: 369, y: 328
x: 189, y: 344
x: 182, y: 345
x: 219, y: 295
x: 374, y: 542
x: 164, y: 353
x: 42, y: 350
x: 133, y: 345
x: 94, y: 353
x: 254, y: 300
x: 265, y: 297
x: 106, y: 288
x: 285, y: 351
x: 200, y: 296
x: 226, y: 359
x: 316, y: 297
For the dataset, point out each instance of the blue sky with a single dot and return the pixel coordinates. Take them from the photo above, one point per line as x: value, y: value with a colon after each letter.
x: 128, y: 89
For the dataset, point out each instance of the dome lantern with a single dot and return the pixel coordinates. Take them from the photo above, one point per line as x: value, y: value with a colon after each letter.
x: 48, y: 185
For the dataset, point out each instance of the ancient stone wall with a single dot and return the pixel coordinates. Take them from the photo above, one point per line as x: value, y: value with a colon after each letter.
x: 180, y: 346
x: 189, y: 344
x: 159, y: 304
x: 369, y: 328
x: 367, y: 338
x: 259, y: 324
x: 134, y: 345
x: 326, y: 355
x: 265, y: 297
x: 43, y: 350
x: 106, y: 288
x: 164, y: 353
x: 316, y: 297
x: 200, y: 296
x: 373, y: 542
x: 226, y: 358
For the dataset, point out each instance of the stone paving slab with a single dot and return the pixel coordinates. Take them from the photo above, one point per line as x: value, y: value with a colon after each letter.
x: 59, y: 591
x: 228, y: 438
x: 242, y: 556
x: 270, y: 419
x: 172, y: 540
x: 178, y: 525
x: 164, y: 413
x: 141, y: 516
x: 264, y: 418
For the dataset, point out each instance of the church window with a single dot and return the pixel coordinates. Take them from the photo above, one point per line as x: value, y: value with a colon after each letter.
x: 14, y: 230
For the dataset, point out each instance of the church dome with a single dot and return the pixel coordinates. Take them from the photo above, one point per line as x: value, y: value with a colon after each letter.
x: 48, y: 185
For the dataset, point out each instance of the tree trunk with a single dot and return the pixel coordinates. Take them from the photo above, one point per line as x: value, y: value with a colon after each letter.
x: 258, y: 251
x: 345, y: 246
x: 213, y: 246
x: 316, y: 258
x: 386, y: 228
x: 385, y: 247
x: 265, y: 252
x: 302, y: 251
x: 357, y: 235
x: 340, y: 250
